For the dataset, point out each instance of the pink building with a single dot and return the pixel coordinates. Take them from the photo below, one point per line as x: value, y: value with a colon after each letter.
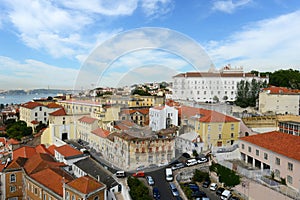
x: 277, y: 151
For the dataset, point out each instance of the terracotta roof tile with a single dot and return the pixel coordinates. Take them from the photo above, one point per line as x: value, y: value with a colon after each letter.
x: 281, y: 143
x: 51, y: 149
x: 41, y: 148
x: 67, y: 151
x: 35, y: 122
x: 60, y: 112
x: 53, y: 105
x: 85, y: 184
x: 25, y: 152
x: 281, y: 90
x: 88, y: 120
x: 17, y: 163
x: 204, y: 115
x: 31, y: 105
x: 55, y: 183
x: 39, y: 162
x: 101, y: 132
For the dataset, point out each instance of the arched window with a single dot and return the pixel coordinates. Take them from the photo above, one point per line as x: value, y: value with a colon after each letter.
x: 96, y: 198
x: 12, y: 178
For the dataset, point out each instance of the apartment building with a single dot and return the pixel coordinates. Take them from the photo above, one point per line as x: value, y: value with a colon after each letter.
x: 211, y: 86
x: 189, y: 142
x: 162, y: 117
x: 274, y: 151
x: 38, y: 176
x: 215, y: 129
x: 290, y: 127
x: 139, y: 116
x: 33, y: 112
x: 279, y: 100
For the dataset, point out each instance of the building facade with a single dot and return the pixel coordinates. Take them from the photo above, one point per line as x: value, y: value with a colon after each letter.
x: 162, y: 117
x: 211, y: 86
x: 274, y: 151
x: 279, y: 100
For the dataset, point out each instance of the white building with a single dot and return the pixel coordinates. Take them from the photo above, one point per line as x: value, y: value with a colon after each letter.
x: 162, y: 117
x: 33, y: 113
x: 279, y: 100
x: 211, y: 86
x: 189, y: 142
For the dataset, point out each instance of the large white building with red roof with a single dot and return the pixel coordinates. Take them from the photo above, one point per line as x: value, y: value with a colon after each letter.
x: 274, y: 151
x: 33, y: 112
x: 209, y: 86
x: 279, y: 100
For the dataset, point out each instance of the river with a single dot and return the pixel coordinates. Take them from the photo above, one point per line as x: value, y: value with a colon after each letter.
x: 22, y: 98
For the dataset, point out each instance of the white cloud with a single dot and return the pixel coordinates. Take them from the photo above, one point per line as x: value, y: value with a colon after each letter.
x: 156, y: 8
x: 229, y: 6
x: 109, y: 8
x: 269, y: 43
x: 34, y: 74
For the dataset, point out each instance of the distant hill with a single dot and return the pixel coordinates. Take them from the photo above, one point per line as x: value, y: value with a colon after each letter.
x: 34, y: 91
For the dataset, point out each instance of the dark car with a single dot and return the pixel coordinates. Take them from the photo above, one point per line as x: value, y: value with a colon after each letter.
x: 156, y: 193
x: 197, y: 194
x: 194, y: 187
x: 219, y: 191
x: 177, y: 166
x: 206, y: 183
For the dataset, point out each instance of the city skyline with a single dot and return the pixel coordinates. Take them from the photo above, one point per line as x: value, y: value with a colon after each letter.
x: 46, y: 43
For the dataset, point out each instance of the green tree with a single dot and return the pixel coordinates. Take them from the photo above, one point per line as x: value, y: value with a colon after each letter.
x: 226, y: 176
x: 138, y: 191
x: 200, y: 176
x: 141, y: 92
x: 18, y: 130
x: 40, y: 127
x: 285, y: 78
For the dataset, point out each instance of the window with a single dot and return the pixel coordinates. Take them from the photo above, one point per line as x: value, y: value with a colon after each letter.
x: 249, y: 149
x: 40, y: 108
x: 96, y: 198
x: 12, y: 178
x: 277, y: 161
x: 289, y: 179
x: 35, y: 114
x: 208, y: 128
x: 243, y: 146
x: 265, y: 156
x: 44, y: 197
x: 45, y: 114
x: 220, y: 127
x: 67, y: 196
x: 290, y: 166
x: 232, y: 135
x: 277, y: 173
x: 12, y: 188
x: 232, y: 127
x: 257, y: 152
x: 73, y: 197
x: 220, y: 136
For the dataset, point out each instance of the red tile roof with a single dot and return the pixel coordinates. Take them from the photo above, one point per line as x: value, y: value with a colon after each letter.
x: 88, y: 120
x: 158, y: 107
x: 204, y: 115
x: 40, y: 161
x: 85, y: 184
x: 281, y: 90
x: 25, y: 152
x: 41, y: 148
x: 60, y: 112
x: 143, y: 111
x: 278, y: 142
x: 52, y: 178
x: 13, y: 141
x: 51, y: 149
x: 34, y: 122
x: 53, y: 105
x: 67, y: 151
x: 101, y: 132
x: 31, y: 105
x: 17, y: 163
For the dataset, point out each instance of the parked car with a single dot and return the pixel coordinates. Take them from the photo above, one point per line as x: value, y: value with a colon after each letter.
x: 198, y: 194
x: 140, y: 168
x: 213, y: 187
x: 206, y: 183
x: 139, y: 174
x: 174, y: 190
x: 219, y: 191
x: 156, y: 193
x: 120, y: 174
x: 191, y: 162
x: 202, y: 160
x: 234, y: 198
x: 150, y: 180
x: 177, y: 166
x: 194, y: 187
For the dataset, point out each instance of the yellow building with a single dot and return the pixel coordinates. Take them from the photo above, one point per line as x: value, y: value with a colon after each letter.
x: 214, y: 128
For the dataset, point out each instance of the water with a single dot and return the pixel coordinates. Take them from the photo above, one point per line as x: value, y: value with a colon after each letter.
x: 22, y: 98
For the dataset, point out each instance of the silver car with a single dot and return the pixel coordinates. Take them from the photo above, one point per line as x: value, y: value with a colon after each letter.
x: 150, y: 180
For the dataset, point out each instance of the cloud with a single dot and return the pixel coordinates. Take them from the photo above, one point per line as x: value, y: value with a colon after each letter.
x: 34, y: 74
x: 270, y: 44
x: 157, y: 8
x: 229, y: 6
x: 63, y: 28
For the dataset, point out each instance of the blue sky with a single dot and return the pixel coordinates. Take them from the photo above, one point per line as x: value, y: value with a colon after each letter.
x: 49, y: 42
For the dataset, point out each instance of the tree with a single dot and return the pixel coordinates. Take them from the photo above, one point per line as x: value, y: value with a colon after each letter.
x: 18, y: 129
x: 285, y: 78
x: 200, y: 176
x: 40, y: 127
x: 138, y: 191
x: 226, y: 176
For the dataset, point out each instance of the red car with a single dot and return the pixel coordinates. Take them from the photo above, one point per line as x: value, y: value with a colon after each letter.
x: 139, y: 174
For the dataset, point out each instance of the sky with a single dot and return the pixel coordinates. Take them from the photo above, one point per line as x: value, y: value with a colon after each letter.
x: 74, y: 43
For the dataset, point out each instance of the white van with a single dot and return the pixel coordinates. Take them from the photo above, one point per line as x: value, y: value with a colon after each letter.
x: 120, y: 174
x: 169, y: 174
x: 226, y: 194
